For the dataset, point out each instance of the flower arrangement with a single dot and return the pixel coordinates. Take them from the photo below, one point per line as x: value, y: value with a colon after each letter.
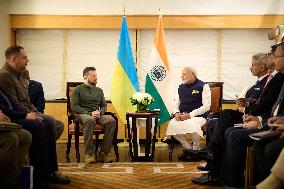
x: 142, y: 100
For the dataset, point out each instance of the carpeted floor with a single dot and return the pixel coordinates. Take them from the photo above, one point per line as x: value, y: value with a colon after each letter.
x: 152, y: 175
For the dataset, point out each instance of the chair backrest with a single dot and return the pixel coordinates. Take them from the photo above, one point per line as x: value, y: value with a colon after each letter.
x: 70, y: 86
x: 216, y: 96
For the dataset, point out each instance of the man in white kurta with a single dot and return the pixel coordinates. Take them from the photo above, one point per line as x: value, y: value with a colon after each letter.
x: 191, y: 107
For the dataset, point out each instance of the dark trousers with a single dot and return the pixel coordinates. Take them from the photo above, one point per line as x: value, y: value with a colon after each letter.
x: 43, y: 149
x: 266, y: 154
x: 14, y: 146
x: 215, y: 143
x: 233, y: 164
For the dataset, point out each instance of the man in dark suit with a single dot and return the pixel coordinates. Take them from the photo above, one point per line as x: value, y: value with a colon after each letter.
x: 35, y: 91
x: 238, y: 139
x: 43, y: 148
x: 264, y: 99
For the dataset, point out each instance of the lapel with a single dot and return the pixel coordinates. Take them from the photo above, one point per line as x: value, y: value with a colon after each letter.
x: 279, y: 100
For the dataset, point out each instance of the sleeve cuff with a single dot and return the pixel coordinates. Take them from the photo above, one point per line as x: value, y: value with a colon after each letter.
x: 260, y: 126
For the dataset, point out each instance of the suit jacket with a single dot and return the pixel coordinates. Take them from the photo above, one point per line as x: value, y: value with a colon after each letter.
x: 255, y: 91
x: 268, y: 96
x: 36, y: 95
x: 13, y: 111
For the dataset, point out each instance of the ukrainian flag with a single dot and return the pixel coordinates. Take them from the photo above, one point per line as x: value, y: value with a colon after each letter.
x: 125, y: 80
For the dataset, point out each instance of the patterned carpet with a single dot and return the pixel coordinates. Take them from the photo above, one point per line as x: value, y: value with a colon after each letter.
x: 150, y: 175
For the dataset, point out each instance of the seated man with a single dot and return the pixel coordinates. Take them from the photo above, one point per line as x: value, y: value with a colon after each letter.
x: 35, y: 91
x: 276, y: 178
x: 14, y: 147
x: 267, y: 151
x: 88, y: 101
x: 238, y: 139
x: 192, y: 105
x: 12, y: 84
x: 265, y: 100
x: 43, y: 148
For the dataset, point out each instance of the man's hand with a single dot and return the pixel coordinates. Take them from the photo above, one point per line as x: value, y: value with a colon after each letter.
x: 177, y: 116
x: 247, y: 118
x: 184, y: 116
x: 96, y: 114
x: 33, y: 116
x: 3, y: 117
x: 276, y: 120
x: 251, y: 124
x: 241, y: 103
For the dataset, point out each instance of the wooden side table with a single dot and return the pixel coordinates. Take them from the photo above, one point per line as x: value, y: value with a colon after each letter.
x: 132, y: 134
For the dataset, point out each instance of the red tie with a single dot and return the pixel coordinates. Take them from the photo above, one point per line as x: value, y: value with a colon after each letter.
x: 268, y: 79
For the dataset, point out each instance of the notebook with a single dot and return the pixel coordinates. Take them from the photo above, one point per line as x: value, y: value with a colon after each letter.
x: 239, y: 125
x: 265, y: 135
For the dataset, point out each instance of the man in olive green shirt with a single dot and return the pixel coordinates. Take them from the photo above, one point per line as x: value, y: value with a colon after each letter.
x: 88, y: 101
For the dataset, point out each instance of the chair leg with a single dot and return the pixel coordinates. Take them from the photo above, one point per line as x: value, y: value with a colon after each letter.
x: 114, y: 142
x: 77, y: 148
x: 249, y: 167
x: 68, y: 147
x: 171, y: 150
x: 96, y: 145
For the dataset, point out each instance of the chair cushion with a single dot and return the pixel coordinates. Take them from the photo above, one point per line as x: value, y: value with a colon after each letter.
x: 96, y: 128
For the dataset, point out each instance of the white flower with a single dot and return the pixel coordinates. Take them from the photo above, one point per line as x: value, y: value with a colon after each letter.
x: 141, y: 98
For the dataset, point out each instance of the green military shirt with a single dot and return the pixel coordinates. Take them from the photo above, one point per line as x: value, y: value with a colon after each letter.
x: 86, y: 99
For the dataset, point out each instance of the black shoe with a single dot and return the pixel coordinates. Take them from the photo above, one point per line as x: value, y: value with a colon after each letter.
x: 57, y: 178
x: 40, y: 185
x: 199, y: 151
x: 203, y: 167
x: 206, y: 179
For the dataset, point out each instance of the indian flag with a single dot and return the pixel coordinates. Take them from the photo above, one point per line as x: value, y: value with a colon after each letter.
x: 125, y: 80
x: 158, y: 78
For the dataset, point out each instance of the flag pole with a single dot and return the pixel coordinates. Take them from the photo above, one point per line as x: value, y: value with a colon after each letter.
x: 124, y: 144
x: 160, y: 144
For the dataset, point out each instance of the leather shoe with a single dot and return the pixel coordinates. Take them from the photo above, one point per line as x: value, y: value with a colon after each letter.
x: 206, y: 179
x: 203, y: 167
x: 57, y: 178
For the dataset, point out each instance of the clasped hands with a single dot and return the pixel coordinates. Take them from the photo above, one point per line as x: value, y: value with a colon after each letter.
x: 96, y: 114
x: 182, y: 116
x: 276, y: 123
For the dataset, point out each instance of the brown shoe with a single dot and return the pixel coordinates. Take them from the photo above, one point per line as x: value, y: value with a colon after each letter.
x: 104, y: 158
x: 89, y: 159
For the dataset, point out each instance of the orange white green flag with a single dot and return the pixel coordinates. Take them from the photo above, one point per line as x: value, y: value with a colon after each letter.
x: 158, y: 78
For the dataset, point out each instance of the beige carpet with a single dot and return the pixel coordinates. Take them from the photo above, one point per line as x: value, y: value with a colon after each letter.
x: 152, y: 175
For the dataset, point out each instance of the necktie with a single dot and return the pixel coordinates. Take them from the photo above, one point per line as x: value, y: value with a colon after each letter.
x: 268, y: 79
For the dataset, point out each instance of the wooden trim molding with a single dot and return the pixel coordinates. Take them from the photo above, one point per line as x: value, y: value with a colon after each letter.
x: 145, y: 21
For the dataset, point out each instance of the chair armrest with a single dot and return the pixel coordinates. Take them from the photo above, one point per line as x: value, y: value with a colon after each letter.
x: 112, y: 114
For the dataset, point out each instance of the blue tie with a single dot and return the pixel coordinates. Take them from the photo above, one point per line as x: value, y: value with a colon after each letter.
x: 10, y: 106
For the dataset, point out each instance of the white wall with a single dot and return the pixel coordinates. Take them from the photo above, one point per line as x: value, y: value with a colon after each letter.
x: 4, y: 28
x: 168, y: 7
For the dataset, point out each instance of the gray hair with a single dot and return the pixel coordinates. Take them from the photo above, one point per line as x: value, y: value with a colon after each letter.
x: 191, y: 69
x: 260, y: 58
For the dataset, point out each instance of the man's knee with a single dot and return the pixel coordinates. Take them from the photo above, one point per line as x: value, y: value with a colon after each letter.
x: 9, y: 139
x: 59, y: 127
x: 25, y: 137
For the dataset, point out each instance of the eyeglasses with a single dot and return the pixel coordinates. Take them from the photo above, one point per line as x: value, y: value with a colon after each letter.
x: 268, y: 54
x: 278, y: 56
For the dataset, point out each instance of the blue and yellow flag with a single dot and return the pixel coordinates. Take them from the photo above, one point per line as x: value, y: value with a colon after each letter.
x: 125, y: 80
